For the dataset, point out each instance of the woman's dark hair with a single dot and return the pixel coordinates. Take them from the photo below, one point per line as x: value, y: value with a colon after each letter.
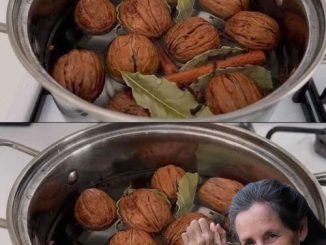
x: 290, y: 205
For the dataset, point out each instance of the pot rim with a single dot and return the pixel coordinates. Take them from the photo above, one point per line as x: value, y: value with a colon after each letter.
x: 209, y: 129
x: 67, y: 97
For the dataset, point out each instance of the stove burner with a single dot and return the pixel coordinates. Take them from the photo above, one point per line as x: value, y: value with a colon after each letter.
x: 320, y: 143
x: 311, y: 102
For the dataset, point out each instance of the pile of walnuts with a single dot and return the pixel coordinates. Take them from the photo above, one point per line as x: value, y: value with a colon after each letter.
x: 150, y: 28
x: 147, y: 213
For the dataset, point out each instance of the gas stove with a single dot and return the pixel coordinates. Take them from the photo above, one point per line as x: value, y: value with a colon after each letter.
x: 39, y: 136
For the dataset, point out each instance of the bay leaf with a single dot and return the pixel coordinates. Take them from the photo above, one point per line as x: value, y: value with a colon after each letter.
x: 203, y: 58
x: 205, y: 112
x: 162, y: 98
x: 185, y: 9
x: 218, y: 22
x: 186, y: 193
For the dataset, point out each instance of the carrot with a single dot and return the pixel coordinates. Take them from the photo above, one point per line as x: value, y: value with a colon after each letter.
x: 167, y: 64
x: 255, y: 57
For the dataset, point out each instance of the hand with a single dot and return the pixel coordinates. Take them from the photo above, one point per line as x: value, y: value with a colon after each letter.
x: 199, y: 232
x: 219, y: 234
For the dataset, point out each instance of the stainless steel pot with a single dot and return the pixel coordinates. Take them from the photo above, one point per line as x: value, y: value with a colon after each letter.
x: 113, y: 156
x: 34, y: 26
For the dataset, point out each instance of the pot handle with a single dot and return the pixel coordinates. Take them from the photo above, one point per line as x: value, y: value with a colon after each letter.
x: 3, y: 27
x: 21, y: 148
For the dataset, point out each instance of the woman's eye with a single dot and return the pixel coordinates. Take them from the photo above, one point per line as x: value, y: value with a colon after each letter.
x: 272, y: 237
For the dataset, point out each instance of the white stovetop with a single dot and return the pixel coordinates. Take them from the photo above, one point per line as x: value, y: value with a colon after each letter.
x: 39, y: 136
x: 18, y: 90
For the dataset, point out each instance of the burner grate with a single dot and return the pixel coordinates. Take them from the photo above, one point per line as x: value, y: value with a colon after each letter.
x: 320, y: 143
x: 311, y: 102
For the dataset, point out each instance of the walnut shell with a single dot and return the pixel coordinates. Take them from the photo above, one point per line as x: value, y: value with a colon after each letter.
x: 166, y: 179
x: 147, y: 17
x: 125, y: 103
x: 145, y: 210
x: 95, y: 16
x: 81, y: 72
x: 174, y: 231
x: 132, y: 53
x: 191, y: 37
x: 254, y: 30
x: 95, y: 210
x: 132, y: 237
x: 157, y: 154
x: 217, y: 193
x: 295, y: 28
x: 224, y: 8
x: 230, y: 92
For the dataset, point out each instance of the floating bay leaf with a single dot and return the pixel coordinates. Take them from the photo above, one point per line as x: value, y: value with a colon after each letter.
x: 203, y: 58
x: 186, y: 193
x: 185, y: 8
x: 205, y: 112
x: 162, y: 98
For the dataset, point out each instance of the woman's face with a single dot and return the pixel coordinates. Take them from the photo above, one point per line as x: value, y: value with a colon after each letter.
x: 261, y: 225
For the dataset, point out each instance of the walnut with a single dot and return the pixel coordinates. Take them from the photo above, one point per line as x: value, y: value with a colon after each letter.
x: 145, y: 210
x: 132, y: 237
x: 95, y: 16
x: 254, y: 30
x: 172, y: 2
x: 95, y: 209
x: 295, y: 28
x: 147, y: 17
x: 230, y: 92
x: 132, y: 53
x: 125, y: 103
x: 174, y: 231
x: 217, y: 193
x: 166, y: 179
x: 80, y: 72
x: 191, y: 37
x: 224, y: 8
x: 157, y: 154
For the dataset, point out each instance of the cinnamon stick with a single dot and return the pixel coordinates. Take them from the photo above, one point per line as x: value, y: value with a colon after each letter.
x: 256, y: 57
x: 167, y: 64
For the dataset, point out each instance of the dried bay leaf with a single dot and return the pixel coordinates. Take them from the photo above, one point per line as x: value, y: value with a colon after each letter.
x: 203, y: 58
x: 205, y: 112
x: 185, y: 9
x: 186, y: 193
x: 162, y: 98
